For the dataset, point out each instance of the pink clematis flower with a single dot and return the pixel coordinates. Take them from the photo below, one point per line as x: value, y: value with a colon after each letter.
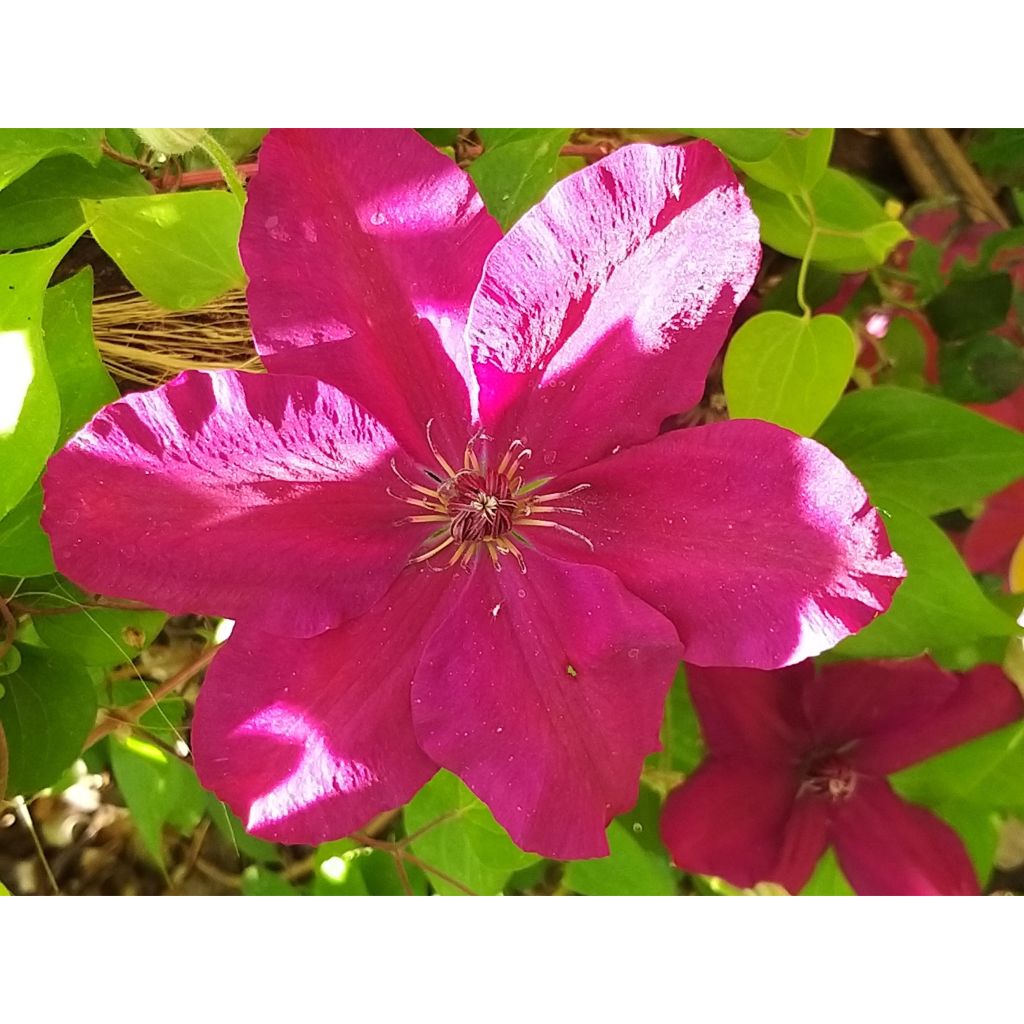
x: 445, y: 521
x: 797, y: 761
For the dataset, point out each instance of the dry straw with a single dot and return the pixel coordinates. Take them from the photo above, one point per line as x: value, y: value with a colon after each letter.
x: 143, y: 344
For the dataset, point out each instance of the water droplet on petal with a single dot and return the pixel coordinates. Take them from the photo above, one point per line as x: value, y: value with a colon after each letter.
x: 378, y: 218
x: 634, y: 652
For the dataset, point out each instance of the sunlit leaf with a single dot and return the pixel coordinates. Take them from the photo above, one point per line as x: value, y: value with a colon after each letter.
x: 158, y: 788
x: 461, y: 838
x: 629, y: 870
x: 788, y: 370
x: 517, y: 168
x: 180, y: 249
x: 796, y: 164
x: 29, y: 405
x: 43, y: 204
x: 23, y: 148
x: 938, y: 605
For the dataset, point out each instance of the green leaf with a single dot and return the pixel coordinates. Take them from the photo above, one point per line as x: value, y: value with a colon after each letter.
x: 749, y: 144
x: 104, y: 637
x: 439, y: 136
x: 984, y: 368
x: 261, y: 881
x: 828, y: 879
x: 463, y: 840
x: 925, y: 267
x: 918, y: 450
x: 905, y: 354
x: 986, y: 772
x: 969, y: 305
x: 43, y: 204
x: 796, y: 164
x: 83, y: 384
x: 629, y: 870
x: 180, y: 250
x: 517, y: 168
x: 24, y: 546
x: 999, y: 152
x: 157, y: 788
x: 4, y: 891
x: 337, y: 869
x: 682, y: 746
x: 47, y: 710
x: 23, y: 148
x: 237, y: 143
x: 855, y: 232
x: 29, y: 406
x: 232, y: 829
x: 788, y: 370
x: 938, y: 605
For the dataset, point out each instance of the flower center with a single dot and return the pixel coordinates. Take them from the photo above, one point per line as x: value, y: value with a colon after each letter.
x: 829, y: 776
x: 481, y: 508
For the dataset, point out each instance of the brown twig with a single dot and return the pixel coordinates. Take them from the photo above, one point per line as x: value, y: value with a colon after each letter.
x: 132, y: 714
x: 10, y: 629
x: 964, y: 176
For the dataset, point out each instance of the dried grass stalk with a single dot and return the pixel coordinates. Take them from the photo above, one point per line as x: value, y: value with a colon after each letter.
x: 144, y: 344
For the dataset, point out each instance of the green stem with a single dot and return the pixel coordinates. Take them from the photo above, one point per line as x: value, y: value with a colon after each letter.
x: 801, y: 281
x: 216, y: 152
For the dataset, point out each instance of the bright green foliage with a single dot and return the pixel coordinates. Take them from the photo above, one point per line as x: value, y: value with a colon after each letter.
x: 630, y: 870
x: 517, y: 168
x: 788, y: 370
x: 853, y: 230
x: 828, y: 879
x: 924, y: 452
x: 748, y: 144
x: 83, y: 384
x: 24, y: 547
x: 44, y: 203
x: 795, y: 165
x: 938, y: 605
x: 22, y: 148
x: 180, y: 250
x: 158, y: 788
x: 29, y: 405
x: 461, y: 838
x: 47, y: 709
x: 104, y: 637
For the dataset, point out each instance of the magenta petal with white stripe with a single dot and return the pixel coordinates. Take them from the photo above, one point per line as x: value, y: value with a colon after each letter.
x: 600, y: 312
x: 235, y: 494
x: 363, y: 249
x: 760, y: 545
x: 544, y: 692
x: 306, y: 740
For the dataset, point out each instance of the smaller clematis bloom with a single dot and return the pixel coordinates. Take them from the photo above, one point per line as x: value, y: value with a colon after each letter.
x: 797, y: 761
x: 446, y: 520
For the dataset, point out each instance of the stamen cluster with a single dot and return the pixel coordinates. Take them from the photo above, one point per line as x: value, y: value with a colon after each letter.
x: 478, y: 508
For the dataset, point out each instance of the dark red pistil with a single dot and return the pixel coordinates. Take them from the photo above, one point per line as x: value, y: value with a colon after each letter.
x: 482, y: 506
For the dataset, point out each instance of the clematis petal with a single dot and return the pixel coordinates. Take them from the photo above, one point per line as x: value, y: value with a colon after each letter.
x: 363, y: 249
x: 242, y: 495
x: 306, y: 740
x: 744, y: 711
x: 978, y: 702
x: 602, y: 309
x: 758, y: 544
x: 888, y: 847
x: 739, y: 819
x: 857, y: 700
x: 544, y: 691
